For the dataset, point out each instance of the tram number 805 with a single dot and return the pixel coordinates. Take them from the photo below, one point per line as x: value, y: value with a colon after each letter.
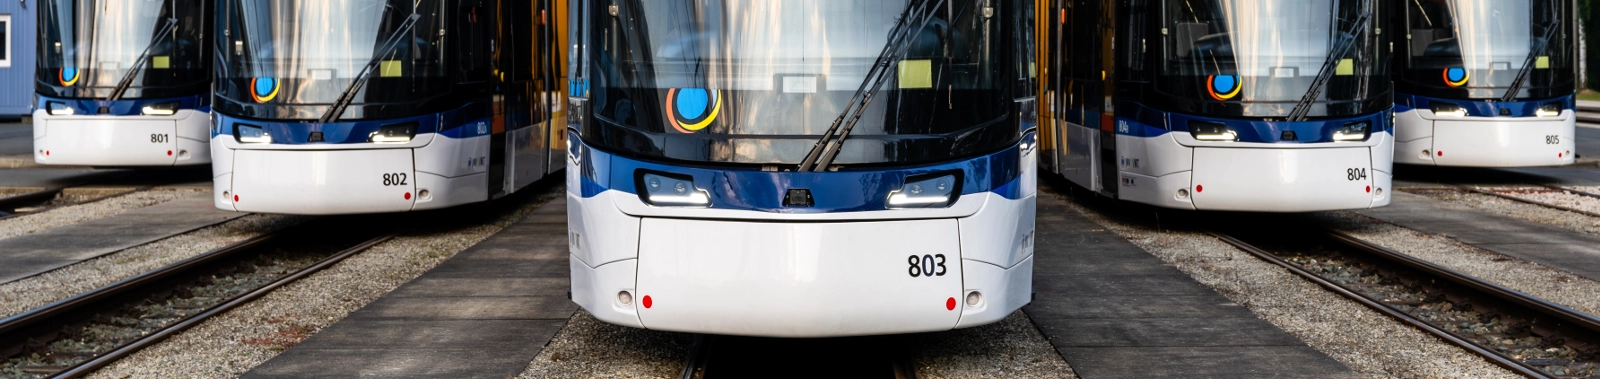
x: 926, y: 265
x: 1553, y: 139
x: 395, y: 179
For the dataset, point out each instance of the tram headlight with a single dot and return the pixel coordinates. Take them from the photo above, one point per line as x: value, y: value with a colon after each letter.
x: 1212, y: 131
x: 926, y: 191
x: 246, y: 133
x: 666, y: 190
x: 161, y: 109
x: 1548, y: 110
x: 394, y: 133
x: 56, y: 108
x: 1353, y: 132
x: 1447, y: 110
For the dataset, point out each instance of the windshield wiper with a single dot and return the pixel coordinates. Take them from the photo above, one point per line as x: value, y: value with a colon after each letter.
x: 349, y: 93
x: 1527, y: 64
x: 127, y: 77
x: 827, y: 148
x: 1337, y: 53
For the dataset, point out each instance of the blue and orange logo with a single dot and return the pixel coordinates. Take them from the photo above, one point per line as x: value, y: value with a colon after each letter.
x: 68, y: 76
x: 1223, y: 87
x: 692, y: 109
x: 263, y: 89
x: 1455, y: 77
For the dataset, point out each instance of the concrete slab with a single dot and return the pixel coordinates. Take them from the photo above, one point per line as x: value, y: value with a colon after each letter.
x: 483, y: 313
x: 1114, y: 310
x: 16, y: 140
x: 31, y: 254
x: 1552, y: 246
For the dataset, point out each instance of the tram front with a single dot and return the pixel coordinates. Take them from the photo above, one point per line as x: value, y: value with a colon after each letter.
x: 704, y: 197
x: 1486, y: 83
x: 122, y: 83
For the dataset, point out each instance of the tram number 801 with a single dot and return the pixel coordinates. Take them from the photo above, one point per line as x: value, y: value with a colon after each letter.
x: 926, y: 265
x: 158, y: 138
x: 395, y: 179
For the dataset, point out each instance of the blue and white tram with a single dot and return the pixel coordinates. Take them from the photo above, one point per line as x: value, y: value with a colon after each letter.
x: 1485, y: 83
x: 1236, y: 105
x: 798, y: 168
x: 368, y: 106
x: 123, y: 83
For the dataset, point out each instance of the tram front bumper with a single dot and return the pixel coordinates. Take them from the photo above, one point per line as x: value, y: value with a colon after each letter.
x: 1490, y: 142
x: 1288, y: 180
x: 318, y: 182
x: 92, y: 140
x: 802, y: 279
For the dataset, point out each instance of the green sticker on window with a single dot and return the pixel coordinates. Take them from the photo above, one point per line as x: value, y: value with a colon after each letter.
x: 1346, y: 67
x: 1542, y: 62
x: 916, y: 73
x: 389, y: 69
x: 161, y: 61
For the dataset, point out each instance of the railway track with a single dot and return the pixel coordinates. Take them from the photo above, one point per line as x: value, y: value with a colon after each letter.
x: 715, y: 357
x: 1546, y: 187
x: 52, y: 198
x: 75, y: 336
x: 1522, y: 333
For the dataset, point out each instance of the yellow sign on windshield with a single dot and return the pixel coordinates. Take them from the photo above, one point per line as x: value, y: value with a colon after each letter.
x: 916, y: 73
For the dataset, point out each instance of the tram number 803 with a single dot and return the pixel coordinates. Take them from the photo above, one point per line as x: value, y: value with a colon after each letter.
x: 395, y: 179
x: 926, y: 265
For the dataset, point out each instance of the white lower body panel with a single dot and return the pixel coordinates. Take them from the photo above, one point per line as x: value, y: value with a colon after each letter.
x: 1488, y: 141
x: 135, y: 141
x: 1287, y: 180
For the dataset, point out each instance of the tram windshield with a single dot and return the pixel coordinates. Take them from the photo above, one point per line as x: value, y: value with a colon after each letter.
x: 292, y: 59
x: 89, y: 48
x: 1261, y: 58
x: 1475, y: 49
x: 759, y: 81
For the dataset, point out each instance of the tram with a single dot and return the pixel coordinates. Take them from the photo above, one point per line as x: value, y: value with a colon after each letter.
x: 369, y: 106
x: 1234, y: 105
x: 1485, y: 83
x: 122, y: 83
x: 801, y: 169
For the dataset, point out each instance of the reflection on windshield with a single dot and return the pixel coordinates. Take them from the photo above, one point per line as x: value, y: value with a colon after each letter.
x: 92, y: 44
x: 1483, y: 44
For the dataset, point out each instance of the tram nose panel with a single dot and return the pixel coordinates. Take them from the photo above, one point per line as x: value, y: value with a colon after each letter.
x: 1285, y: 180
x: 323, y: 182
x: 1489, y: 142
x: 118, y: 141
x: 799, y: 279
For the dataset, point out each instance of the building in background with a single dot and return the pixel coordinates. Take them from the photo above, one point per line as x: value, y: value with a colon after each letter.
x: 16, y: 58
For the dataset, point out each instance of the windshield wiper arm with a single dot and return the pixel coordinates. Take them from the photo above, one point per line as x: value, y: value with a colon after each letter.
x: 827, y: 148
x: 349, y: 94
x: 1337, y: 53
x: 127, y: 77
x: 1527, y: 64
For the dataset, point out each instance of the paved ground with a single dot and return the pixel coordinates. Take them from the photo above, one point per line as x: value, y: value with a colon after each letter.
x: 485, y: 312
x: 47, y: 177
x: 1559, y: 248
x: 16, y: 139
x: 30, y: 254
x: 1114, y: 310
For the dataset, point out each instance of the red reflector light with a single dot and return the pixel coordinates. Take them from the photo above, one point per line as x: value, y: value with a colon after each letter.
x: 47, y: 153
x: 408, y: 196
x: 169, y: 153
x: 1369, y: 189
x: 646, y: 301
x: 235, y: 198
x: 1441, y: 153
x: 950, y: 304
x: 1198, y: 188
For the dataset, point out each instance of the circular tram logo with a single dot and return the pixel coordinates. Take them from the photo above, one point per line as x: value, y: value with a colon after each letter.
x: 692, y: 109
x: 1223, y: 87
x: 68, y: 76
x: 263, y: 89
x: 1455, y: 77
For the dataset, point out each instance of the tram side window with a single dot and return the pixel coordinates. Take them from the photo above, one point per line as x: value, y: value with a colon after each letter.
x: 474, y: 43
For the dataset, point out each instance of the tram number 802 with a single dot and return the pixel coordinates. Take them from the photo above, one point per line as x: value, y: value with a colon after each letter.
x: 395, y: 179
x: 926, y: 265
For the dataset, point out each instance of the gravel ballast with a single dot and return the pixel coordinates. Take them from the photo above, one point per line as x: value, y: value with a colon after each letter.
x: 238, y: 340
x: 1364, y: 340
x: 69, y: 215
x: 42, y: 289
x: 1536, y: 213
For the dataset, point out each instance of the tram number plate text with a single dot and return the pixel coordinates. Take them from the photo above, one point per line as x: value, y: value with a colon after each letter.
x: 395, y: 179
x: 926, y: 265
x: 1354, y: 174
x: 158, y: 138
x: 1553, y: 139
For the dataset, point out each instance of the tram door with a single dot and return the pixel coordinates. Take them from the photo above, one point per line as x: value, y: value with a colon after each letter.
x: 1105, y: 33
x: 1080, y: 90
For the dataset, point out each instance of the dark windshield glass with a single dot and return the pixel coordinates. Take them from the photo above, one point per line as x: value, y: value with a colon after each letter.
x: 88, y: 46
x: 289, y: 59
x: 758, y: 81
x: 1474, y: 49
x: 1260, y: 57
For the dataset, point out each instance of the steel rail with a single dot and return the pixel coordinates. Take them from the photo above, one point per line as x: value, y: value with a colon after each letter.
x: 1518, y: 199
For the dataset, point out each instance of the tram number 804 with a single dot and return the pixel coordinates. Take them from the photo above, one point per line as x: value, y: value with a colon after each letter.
x: 395, y: 179
x: 1354, y: 174
x: 926, y: 265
